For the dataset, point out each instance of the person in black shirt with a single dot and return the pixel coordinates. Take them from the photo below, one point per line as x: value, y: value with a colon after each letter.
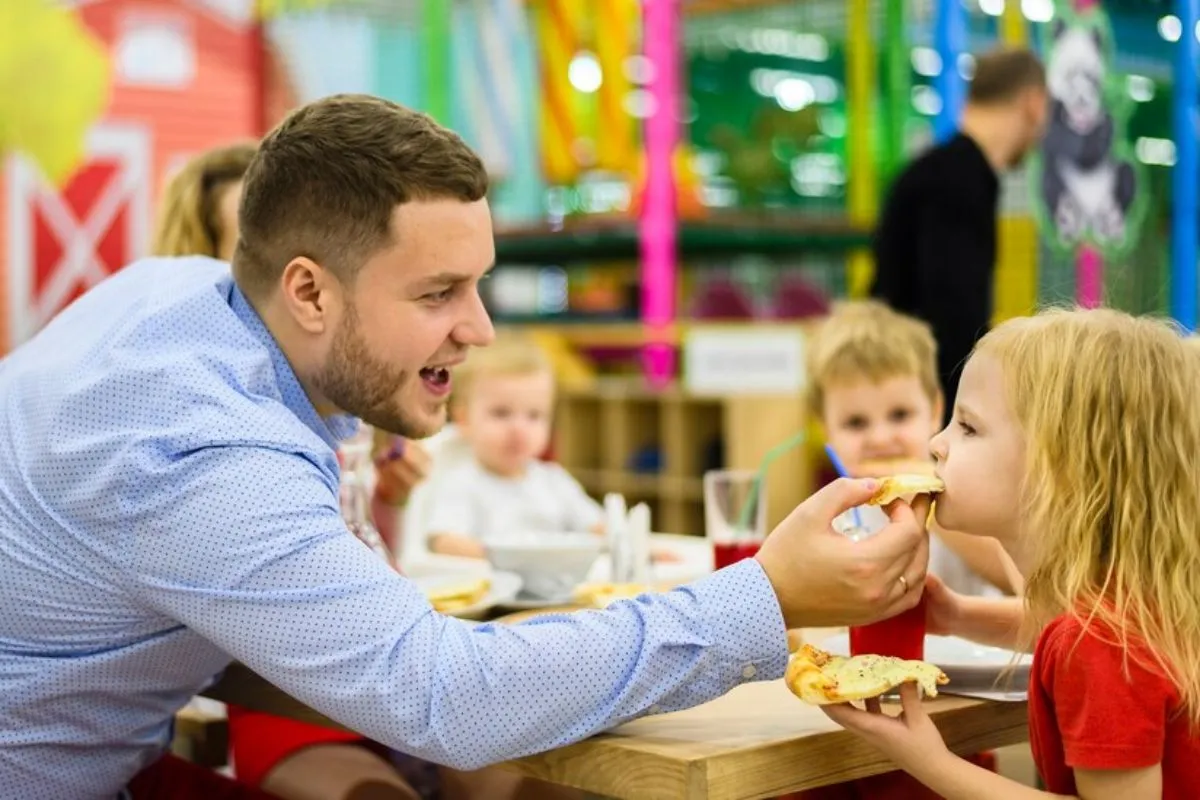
x: 935, y: 245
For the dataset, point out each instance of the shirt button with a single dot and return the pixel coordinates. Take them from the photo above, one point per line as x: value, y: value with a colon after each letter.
x: 655, y: 709
x: 749, y: 671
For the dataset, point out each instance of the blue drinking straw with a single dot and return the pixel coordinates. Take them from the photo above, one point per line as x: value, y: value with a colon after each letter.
x: 841, y: 470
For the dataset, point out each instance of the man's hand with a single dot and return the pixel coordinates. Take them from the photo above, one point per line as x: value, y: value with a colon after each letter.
x: 823, y: 579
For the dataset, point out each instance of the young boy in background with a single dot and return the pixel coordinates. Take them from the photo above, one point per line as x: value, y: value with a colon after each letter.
x: 873, y: 384
x: 503, y: 407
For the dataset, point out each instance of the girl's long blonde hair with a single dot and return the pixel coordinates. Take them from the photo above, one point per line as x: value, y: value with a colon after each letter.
x: 1110, y: 406
x: 188, y: 223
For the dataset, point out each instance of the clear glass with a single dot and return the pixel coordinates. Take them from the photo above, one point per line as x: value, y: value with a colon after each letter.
x: 726, y: 495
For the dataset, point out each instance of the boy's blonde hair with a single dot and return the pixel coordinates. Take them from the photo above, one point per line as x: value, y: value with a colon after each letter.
x: 1111, y: 493
x: 864, y: 339
x: 188, y: 223
x: 509, y: 356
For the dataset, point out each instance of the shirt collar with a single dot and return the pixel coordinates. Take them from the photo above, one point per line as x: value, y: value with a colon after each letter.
x: 332, y: 429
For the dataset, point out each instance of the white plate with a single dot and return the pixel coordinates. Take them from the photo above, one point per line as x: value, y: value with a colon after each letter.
x: 968, y: 665
x: 504, y: 588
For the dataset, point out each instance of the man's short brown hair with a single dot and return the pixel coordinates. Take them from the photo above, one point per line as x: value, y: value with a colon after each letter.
x: 325, y: 182
x: 1001, y: 75
x: 866, y: 340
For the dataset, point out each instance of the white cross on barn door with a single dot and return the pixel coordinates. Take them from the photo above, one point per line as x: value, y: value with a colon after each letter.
x: 63, y: 241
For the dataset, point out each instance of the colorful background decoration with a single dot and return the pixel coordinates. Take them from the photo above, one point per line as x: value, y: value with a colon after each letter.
x: 1085, y: 181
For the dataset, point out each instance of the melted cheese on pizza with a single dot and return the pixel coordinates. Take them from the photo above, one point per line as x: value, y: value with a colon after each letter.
x: 820, y: 678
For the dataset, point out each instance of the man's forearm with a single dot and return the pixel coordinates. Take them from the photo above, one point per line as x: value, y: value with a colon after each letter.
x: 471, y: 695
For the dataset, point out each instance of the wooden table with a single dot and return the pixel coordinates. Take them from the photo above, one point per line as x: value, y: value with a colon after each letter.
x: 757, y: 741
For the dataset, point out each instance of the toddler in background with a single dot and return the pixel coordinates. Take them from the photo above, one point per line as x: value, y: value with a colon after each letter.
x: 503, y: 407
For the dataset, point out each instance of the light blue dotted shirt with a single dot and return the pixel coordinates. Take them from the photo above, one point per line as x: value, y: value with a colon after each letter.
x: 168, y: 501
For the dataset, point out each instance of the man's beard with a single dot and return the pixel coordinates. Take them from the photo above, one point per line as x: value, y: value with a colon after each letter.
x: 365, y: 387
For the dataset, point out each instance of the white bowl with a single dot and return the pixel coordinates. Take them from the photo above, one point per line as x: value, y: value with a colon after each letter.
x: 551, y: 565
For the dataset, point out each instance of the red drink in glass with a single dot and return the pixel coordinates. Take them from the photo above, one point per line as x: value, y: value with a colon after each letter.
x: 731, y: 552
x: 902, y: 636
x: 735, y: 515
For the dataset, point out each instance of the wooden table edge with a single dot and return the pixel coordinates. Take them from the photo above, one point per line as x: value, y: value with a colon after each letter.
x: 722, y: 776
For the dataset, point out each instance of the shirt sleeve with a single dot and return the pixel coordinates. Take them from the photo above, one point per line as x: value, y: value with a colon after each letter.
x: 583, y: 513
x: 266, y: 570
x: 1111, y: 711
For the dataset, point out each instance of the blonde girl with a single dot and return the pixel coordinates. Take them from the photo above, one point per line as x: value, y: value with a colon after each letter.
x: 198, y: 210
x: 1075, y: 442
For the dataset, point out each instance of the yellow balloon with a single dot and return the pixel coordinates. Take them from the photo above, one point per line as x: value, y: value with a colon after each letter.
x: 54, y: 80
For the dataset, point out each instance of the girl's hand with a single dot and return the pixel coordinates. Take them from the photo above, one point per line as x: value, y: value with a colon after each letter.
x: 400, y: 468
x: 943, y: 607
x: 910, y: 739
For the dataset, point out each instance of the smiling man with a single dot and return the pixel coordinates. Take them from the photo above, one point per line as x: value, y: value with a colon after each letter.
x: 169, y: 496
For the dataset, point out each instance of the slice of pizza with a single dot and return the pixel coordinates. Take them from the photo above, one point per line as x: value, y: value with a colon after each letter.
x: 896, y: 486
x: 820, y: 678
x: 452, y: 597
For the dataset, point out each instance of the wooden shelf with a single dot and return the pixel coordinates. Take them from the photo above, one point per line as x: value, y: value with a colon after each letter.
x: 604, y: 429
x: 612, y: 238
x: 641, y: 485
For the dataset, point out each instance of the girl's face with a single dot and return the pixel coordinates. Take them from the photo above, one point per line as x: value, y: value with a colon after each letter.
x: 981, y: 458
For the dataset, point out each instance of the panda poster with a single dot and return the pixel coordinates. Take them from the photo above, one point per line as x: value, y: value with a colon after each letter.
x: 1087, y: 186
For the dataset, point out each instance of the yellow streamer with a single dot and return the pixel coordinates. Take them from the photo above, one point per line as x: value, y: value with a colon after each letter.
x: 616, y: 31
x: 861, y: 200
x: 557, y: 24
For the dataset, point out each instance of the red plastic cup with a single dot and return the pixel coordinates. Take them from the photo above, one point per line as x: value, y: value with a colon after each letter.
x: 902, y: 636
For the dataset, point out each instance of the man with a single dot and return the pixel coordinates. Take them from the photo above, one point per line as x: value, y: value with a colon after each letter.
x: 168, y: 495
x: 935, y: 246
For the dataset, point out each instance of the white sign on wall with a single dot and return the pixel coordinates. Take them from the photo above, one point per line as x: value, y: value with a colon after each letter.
x: 729, y: 360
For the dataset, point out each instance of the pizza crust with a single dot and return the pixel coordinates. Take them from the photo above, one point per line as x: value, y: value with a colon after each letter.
x: 819, y: 678
x: 894, y: 466
x: 895, y: 487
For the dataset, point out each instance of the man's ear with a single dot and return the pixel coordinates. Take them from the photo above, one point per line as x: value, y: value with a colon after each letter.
x: 307, y: 291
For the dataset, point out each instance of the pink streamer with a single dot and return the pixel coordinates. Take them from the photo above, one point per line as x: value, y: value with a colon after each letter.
x: 658, y: 223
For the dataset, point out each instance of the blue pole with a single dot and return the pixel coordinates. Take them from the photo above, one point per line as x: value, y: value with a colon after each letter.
x: 1185, y: 213
x: 950, y: 41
